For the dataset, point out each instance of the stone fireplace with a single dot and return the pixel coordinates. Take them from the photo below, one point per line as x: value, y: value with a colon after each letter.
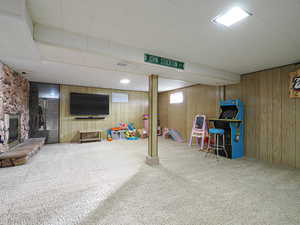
x: 14, y: 110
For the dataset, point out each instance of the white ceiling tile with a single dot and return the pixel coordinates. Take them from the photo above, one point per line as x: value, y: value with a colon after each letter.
x: 77, y: 16
x: 46, y: 12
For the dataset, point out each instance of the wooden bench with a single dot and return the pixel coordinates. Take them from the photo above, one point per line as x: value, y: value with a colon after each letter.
x: 21, y: 153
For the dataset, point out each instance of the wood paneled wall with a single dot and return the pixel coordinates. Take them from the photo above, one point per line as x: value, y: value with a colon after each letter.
x: 272, y: 119
x: 198, y: 99
x: 130, y: 112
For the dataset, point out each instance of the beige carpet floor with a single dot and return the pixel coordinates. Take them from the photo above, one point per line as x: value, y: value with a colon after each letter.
x: 109, y: 183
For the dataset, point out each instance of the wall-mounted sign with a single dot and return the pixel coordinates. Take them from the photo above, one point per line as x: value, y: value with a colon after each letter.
x: 119, y: 97
x: 295, y: 84
x: 163, y: 61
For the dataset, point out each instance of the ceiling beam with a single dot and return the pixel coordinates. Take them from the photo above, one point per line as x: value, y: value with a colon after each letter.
x: 67, y: 47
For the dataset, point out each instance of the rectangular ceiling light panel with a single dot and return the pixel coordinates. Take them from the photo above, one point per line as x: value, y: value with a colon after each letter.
x: 231, y: 17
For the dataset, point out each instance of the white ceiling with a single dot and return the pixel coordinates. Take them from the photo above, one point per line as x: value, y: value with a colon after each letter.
x: 60, y: 73
x: 183, y: 29
x: 80, y: 42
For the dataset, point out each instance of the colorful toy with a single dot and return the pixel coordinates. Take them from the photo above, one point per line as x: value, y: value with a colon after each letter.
x: 176, y: 136
x: 141, y: 133
x: 131, y: 135
x: 124, y: 130
x: 121, y: 126
x: 165, y: 133
x: 131, y: 126
x: 109, y: 138
x: 132, y: 138
x: 145, y: 116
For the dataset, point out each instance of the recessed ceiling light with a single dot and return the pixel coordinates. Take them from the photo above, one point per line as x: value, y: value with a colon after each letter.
x: 124, y: 81
x: 121, y: 64
x: 231, y: 17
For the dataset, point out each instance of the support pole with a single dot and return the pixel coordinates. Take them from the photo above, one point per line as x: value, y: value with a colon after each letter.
x: 222, y: 93
x: 152, y: 158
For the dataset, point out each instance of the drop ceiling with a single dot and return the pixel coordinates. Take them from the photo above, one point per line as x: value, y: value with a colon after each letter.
x: 55, y: 50
x: 184, y: 29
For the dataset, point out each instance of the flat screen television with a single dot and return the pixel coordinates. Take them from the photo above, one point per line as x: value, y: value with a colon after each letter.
x: 89, y: 104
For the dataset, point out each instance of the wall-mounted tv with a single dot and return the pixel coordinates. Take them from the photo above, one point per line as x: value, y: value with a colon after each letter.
x: 89, y: 104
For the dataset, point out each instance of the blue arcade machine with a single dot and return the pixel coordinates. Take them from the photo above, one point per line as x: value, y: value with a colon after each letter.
x: 231, y: 120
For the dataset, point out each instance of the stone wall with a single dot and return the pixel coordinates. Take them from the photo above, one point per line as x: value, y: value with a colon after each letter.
x: 14, y: 97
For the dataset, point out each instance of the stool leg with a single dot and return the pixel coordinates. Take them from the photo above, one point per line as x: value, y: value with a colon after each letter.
x: 191, y: 139
x: 217, y: 146
x: 202, y: 141
x: 224, y: 146
x: 208, y: 146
